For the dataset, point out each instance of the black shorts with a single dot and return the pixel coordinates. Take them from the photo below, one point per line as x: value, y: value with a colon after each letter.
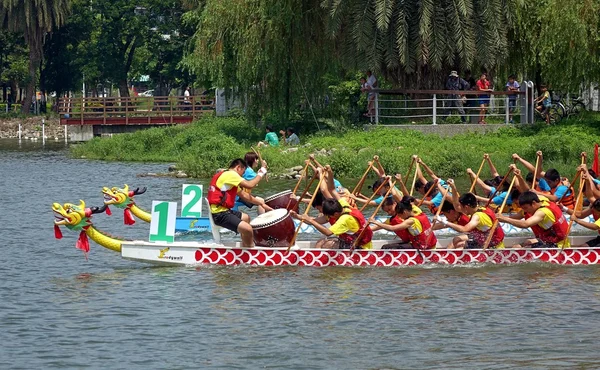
x: 594, y: 242
x: 472, y: 244
x: 229, y: 219
x: 541, y: 244
x: 397, y: 245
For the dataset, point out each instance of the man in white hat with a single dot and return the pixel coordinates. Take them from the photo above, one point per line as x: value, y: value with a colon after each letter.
x: 456, y: 100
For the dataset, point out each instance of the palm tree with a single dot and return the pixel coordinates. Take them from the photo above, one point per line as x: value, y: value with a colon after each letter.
x: 410, y: 41
x: 34, y: 19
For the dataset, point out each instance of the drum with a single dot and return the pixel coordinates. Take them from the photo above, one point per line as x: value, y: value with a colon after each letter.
x: 273, y: 229
x: 281, y: 200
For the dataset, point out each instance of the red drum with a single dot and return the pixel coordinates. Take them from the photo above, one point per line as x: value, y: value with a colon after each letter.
x: 281, y: 200
x: 273, y: 229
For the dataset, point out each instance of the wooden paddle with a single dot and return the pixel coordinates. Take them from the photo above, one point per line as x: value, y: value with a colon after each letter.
x: 260, y: 159
x: 361, y: 182
x: 499, y: 187
x: 304, y: 192
x: 376, y: 192
x: 434, y: 185
x: 437, y: 214
x: 476, y: 176
x: 302, y: 175
x: 305, y: 213
x: 537, y: 166
x: 354, y: 244
x: 578, y: 204
x: 412, y: 188
x: 496, y: 222
x: 412, y: 162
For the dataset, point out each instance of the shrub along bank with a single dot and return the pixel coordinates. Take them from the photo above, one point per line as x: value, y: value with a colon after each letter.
x: 211, y: 143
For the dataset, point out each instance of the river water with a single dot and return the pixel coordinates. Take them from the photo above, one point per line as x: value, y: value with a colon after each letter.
x: 60, y: 311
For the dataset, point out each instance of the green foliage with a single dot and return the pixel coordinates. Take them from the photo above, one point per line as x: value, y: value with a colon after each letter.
x: 211, y: 143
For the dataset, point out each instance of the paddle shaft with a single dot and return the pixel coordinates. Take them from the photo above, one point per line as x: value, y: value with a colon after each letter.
x: 412, y: 163
x: 577, y: 204
x: 495, y: 224
x: 305, y: 213
x: 260, y: 159
x: 498, y: 188
x: 361, y: 182
x: 300, y: 179
x: 412, y: 188
x: 306, y: 188
x: 476, y: 176
x: 376, y: 192
x: 434, y: 185
x: 373, y: 215
x: 572, y: 183
x: 537, y: 166
x: 437, y: 213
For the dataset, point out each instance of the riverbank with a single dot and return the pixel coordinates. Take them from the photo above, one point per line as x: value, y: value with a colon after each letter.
x: 31, y: 128
x: 201, y: 147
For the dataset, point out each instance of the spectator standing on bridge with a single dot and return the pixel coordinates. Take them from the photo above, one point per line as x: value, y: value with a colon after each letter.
x: 186, y: 98
x: 370, y: 85
x: 484, y: 100
x: 512, y: 85
x: 456, y: 83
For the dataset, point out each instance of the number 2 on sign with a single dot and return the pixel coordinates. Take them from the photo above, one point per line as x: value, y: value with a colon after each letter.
x: 191, y: 196
x: 162, y: 224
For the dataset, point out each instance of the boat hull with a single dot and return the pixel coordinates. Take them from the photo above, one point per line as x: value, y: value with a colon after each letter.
x: 193, y: 253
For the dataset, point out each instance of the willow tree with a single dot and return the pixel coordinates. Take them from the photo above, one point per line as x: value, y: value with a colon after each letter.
x: 416, y: 42
x: 556, y: 42
x: 271, y: 51
x: 34, y: 19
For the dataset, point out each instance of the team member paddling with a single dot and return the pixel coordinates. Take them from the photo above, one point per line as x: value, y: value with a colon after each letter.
x: 418, y: 226
x: 479, y: 226
x: 389, y: 207
x: 594, y: 210
x: 222, y: 191
x: 545, y: 219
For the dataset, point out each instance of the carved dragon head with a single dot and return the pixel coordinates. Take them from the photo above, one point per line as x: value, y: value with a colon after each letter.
x: 121, y: 198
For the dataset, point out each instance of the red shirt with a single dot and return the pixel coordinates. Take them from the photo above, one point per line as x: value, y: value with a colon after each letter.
x: 483, y: 85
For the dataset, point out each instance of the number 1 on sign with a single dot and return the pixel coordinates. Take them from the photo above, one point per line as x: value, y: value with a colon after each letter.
x: 162, y: 224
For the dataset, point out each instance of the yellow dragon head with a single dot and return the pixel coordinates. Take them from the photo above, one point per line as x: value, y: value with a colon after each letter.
x: 121, y: 198
x: 74, y: 217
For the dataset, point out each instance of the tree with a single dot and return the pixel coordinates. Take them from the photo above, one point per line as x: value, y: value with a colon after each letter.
x: 34, y: 19
x: 271, y: 51
x: 414, y: 43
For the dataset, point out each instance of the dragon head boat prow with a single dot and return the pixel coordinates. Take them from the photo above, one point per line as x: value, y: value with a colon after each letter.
x: 78, y: 218
x: 123, y: 198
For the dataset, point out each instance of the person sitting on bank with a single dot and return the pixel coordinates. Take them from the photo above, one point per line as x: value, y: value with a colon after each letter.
x: 224, y: 187
x: 418, y: 226
x: 251, y: 159
x: 289, y: 137
x: 479, y: 226
x: 271, y: 138
x: 347, y: 224
x: 545, y: 219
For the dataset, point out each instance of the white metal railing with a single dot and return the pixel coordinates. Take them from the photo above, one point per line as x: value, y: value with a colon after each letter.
x: 437, y: 105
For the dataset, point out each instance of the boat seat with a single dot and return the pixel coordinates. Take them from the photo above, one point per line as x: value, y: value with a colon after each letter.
x: 216, y: 230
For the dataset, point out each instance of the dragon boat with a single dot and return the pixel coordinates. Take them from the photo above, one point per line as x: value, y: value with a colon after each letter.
x: 123, y: 198
x: 302, y: 253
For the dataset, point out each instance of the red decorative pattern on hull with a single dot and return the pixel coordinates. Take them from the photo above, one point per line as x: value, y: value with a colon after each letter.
x: 324, y: 258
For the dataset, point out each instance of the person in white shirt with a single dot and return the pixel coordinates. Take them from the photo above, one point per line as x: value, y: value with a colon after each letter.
x: 370, y: 85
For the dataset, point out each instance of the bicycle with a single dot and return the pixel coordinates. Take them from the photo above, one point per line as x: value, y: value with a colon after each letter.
x: 554, y: 114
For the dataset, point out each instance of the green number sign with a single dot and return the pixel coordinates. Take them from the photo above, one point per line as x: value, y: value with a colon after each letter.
x: 191, y: 200
x: 162, y: 224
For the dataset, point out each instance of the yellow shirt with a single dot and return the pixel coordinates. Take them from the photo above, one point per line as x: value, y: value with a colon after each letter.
x: 416, y: 210
x: 485, y: 224
x: 226, y: 181
x: 416, y: 228
x: 347, y: 224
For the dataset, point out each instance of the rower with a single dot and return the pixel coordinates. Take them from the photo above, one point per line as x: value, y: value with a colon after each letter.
x: 479, y: 226
x: 456, y: 217
x: 395, y: 193
x: 221, y: 196
x: 418, y: 226
x: 545, y: 219
x: 389, y: 207
x: 251, y: 159
x: 434, y: 199
x: 580, y: 216
x: 347, y: 224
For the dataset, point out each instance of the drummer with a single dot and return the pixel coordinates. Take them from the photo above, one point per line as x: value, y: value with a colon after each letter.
x: 251, y: 159
x: 224, y: 187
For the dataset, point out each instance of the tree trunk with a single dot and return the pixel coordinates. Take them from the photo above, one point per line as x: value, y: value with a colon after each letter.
x: 123, y: 88
x: 34, y: 62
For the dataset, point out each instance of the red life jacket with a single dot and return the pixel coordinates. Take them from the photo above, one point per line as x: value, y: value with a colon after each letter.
x: 367, y: 235
x: 480, y: 236
x: 221, y: 198
x: 425, y: 239
x: 557, y: 232
x: 404, y: 235
x: 431, y: 206
x: 568, y: 200
x: 463, y: 219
